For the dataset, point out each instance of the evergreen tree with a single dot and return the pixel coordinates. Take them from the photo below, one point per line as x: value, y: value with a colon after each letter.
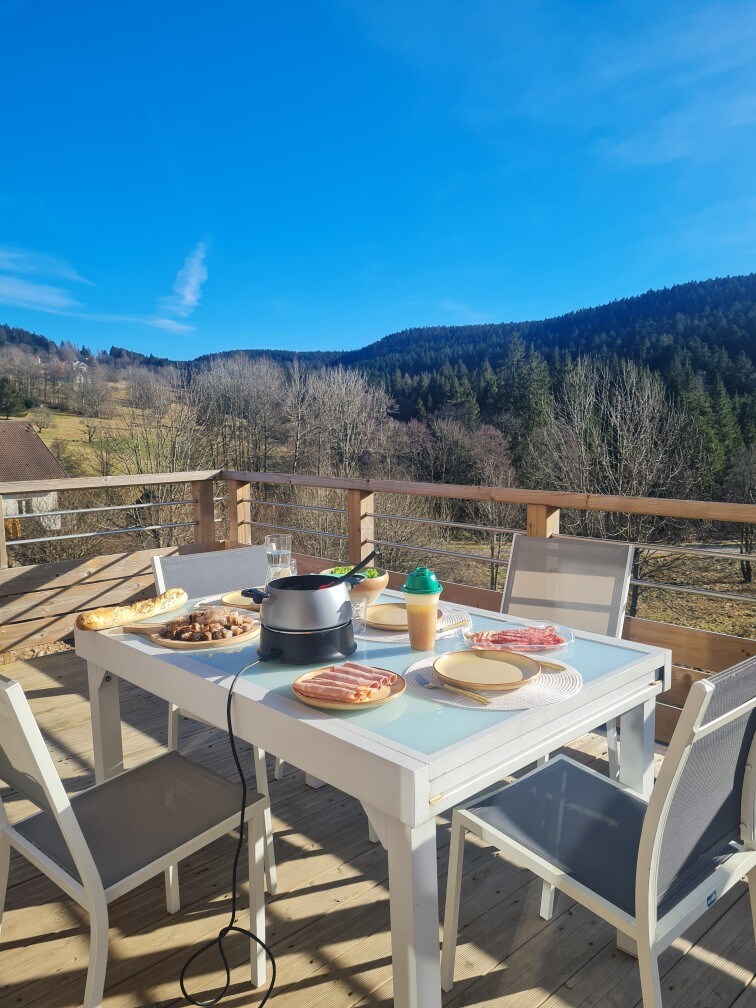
x: 524, y: 395
x: 728, y: 431
x: 696, y: 402
x: 12, y: 403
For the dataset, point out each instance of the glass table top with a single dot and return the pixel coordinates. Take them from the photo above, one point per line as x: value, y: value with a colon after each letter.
x: 412, y: 721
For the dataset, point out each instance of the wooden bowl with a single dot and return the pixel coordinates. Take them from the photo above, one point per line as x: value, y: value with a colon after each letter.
x: 369, y: 590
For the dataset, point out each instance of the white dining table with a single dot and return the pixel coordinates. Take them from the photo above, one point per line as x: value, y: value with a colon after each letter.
x: 405, y: 761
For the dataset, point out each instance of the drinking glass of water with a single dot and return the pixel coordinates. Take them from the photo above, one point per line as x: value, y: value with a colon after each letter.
x: 278, y: 550
x: 359, y: 616
x: 286, y: 570
x: 359, y: 627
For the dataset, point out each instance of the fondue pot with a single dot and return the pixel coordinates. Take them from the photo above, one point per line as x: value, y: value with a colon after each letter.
x: 307, y: 618
x: 305, y: 602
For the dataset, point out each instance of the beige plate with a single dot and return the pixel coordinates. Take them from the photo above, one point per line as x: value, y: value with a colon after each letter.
x: 235, y: 598
x: 183, y: 645
x: 489, y: 670
x: 389, y: 616
x: 384, y: 695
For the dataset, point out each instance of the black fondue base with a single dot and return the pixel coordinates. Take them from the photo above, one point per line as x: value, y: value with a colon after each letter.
x: 306, y: 648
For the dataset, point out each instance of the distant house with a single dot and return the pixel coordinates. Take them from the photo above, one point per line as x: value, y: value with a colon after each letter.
x: 25, y: 457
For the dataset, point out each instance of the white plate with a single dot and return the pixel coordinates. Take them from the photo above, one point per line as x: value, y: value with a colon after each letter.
x: 486, y: 670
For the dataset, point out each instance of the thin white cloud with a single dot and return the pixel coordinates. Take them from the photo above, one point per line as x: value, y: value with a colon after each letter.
x: 27, y: 261
x: 170, y: 325
x: 19, y: 293
x: 187, y: 287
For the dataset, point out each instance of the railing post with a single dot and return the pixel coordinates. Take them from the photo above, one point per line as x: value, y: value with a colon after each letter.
x: 360, y: 526
x: 204, y: 511
x: 239, y: 511
x: 3, y: 545
x: 543, y: 520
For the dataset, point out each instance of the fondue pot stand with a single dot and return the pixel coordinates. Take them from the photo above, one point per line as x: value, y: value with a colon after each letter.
x: 306, y: 647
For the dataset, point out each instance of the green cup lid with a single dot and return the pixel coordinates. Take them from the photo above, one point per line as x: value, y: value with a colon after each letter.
x: 421, y: 581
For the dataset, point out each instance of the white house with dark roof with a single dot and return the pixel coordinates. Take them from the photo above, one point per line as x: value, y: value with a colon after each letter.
x: 24, y: 456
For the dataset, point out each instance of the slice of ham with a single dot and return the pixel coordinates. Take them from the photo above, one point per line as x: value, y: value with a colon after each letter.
x: 520, y: 639
x: 347, y: 683
x: 329, y: 691
x: 368, y: 682
x: 386, y: 678
x: 329, y: 680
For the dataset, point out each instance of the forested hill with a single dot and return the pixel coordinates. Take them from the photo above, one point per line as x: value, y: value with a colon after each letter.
x: 698, y: 316
x: 700, y: 337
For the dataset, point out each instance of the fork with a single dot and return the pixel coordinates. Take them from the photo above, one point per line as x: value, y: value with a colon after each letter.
x: 452, y: 689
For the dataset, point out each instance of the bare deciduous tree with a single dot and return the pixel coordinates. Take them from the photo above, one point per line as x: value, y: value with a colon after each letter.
x: 615, y: 431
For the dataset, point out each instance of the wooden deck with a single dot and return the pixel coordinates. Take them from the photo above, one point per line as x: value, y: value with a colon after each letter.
x: 329, y: 924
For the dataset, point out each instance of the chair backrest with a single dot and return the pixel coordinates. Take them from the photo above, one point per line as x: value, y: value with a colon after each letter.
x: 212, y: 572
x: 704, y: 798
x: 582, y: 583
x: 26, y: 764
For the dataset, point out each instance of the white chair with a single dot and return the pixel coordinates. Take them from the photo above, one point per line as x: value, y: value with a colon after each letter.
x: 582, y: 583
x: 212, y: 572
x: 104, y: 842
x: 215, y: 572
x: 648, y: 868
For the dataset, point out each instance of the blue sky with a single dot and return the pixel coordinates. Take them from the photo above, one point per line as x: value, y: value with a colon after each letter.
x: 188, y: 177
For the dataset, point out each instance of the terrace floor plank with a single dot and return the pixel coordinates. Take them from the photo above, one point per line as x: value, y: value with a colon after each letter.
x: 328, y: 925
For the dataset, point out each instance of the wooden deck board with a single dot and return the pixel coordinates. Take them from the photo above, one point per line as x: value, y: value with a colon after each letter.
x: 328, y: 925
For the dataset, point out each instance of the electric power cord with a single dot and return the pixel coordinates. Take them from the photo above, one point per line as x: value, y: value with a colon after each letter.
x: 231, y: 926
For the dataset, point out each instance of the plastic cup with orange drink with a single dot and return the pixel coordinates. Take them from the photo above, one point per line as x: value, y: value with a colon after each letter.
x: 421, y: 593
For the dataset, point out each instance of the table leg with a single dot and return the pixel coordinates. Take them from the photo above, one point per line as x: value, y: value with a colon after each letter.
x: 637, y: 748
x: 413, y: 899
x: 105, y: 708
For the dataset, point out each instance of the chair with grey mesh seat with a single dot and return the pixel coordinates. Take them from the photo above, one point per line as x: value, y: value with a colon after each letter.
x: 648, y: 868
x: 582, y: 583
x: 213, y: 573
x: 104, y: 842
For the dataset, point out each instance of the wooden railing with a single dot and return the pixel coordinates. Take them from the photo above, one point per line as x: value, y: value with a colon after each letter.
x: 39, y: 602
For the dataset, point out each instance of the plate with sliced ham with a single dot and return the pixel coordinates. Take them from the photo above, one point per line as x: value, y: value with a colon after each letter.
x: 525, y: 638
x: 349, y: 686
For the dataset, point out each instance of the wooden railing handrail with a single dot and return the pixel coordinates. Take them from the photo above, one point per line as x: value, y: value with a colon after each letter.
x: 662, y: 506
x: 103, y: 482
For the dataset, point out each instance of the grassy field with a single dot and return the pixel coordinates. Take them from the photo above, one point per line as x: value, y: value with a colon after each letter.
x: 71, y: 429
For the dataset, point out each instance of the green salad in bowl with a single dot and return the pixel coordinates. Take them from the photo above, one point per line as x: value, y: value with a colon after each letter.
x: 369, y: 572
x: 370, y: 589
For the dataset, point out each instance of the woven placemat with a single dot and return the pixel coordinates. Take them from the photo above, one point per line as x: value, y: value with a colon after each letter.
x: 449, y: 615
x: 549, y: 688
